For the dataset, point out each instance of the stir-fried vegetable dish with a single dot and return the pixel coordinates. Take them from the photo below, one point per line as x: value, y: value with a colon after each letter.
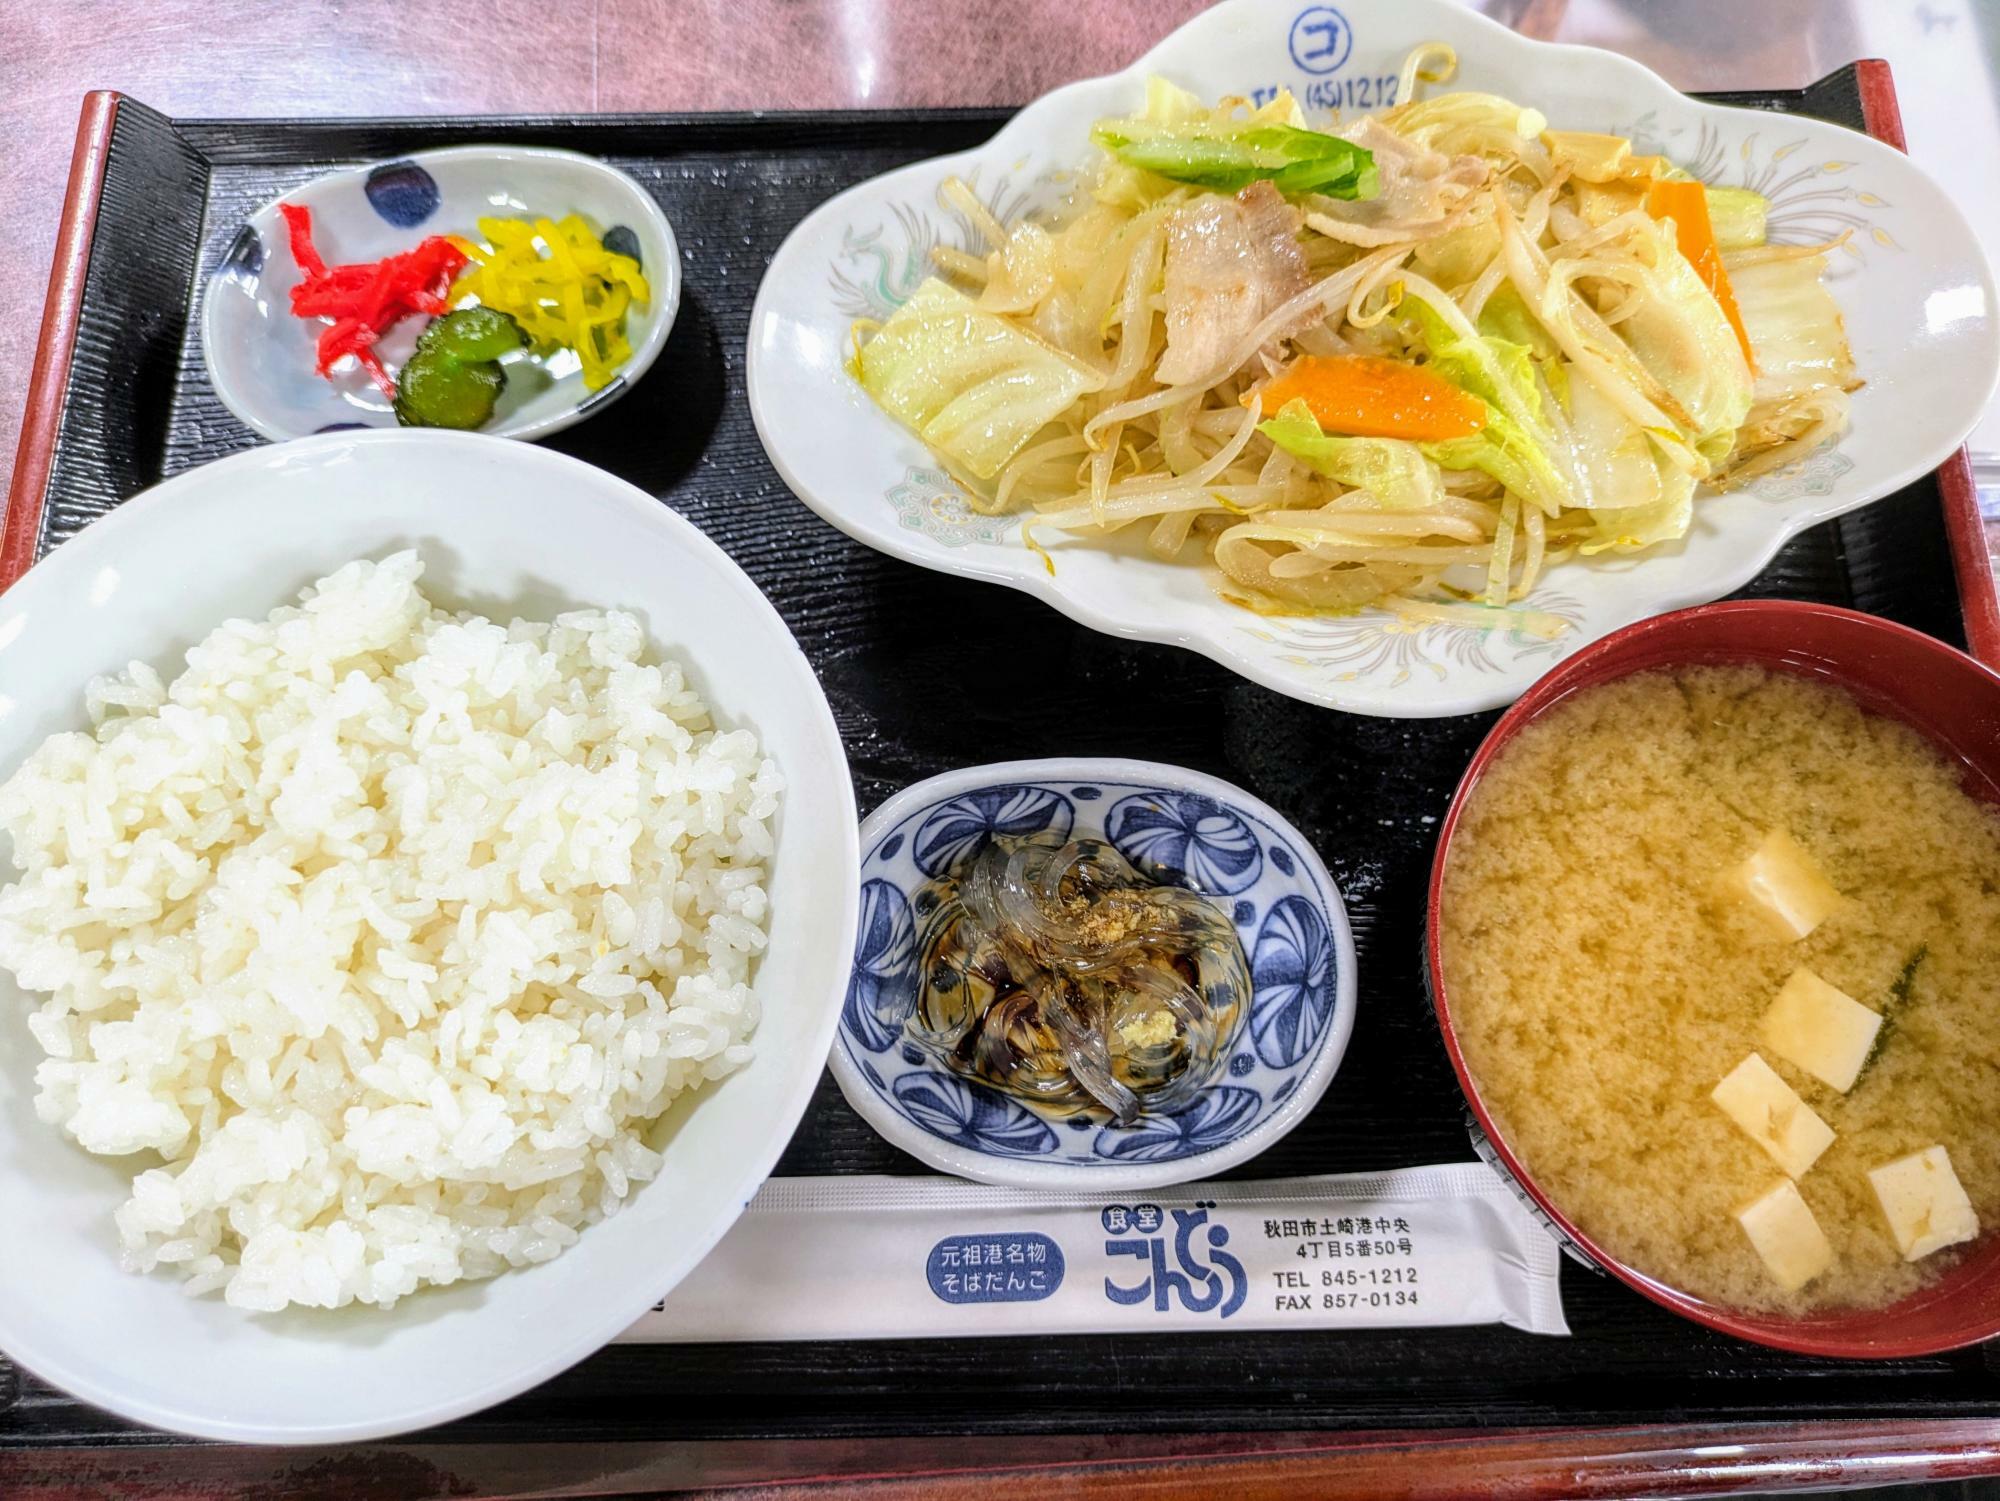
x: 1410, y: 360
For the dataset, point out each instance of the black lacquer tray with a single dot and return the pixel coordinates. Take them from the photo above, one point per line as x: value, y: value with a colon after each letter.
x: 928, y: 672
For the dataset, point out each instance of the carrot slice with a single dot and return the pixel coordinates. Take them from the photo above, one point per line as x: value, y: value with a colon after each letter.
x: 1686, y: 203
x: 1366, y: 397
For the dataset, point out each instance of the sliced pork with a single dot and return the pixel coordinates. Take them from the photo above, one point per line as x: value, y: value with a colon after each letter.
x: 1230, y: 261
x: 1420, y: 191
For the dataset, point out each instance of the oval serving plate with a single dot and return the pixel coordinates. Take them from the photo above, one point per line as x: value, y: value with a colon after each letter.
x: 1916, y: 292
x: 260, y: 357
x: 1176, y: 826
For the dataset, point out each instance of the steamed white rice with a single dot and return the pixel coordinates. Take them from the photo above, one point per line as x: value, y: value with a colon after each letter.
x: 386, y: 932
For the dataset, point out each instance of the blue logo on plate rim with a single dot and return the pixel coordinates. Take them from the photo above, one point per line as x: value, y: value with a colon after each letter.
x: 1320, y: 40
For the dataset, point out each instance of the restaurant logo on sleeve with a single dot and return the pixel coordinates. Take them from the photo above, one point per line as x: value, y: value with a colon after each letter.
x: 1176, y: 1272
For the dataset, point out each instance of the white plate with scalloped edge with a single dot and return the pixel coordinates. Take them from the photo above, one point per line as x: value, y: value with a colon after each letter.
x: 1913, y: 285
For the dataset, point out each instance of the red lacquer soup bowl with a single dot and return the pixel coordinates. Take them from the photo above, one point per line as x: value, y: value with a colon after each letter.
x: 1943, y: 693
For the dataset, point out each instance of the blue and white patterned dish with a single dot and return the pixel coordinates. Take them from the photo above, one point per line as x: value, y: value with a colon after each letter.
x: 1174, y: 825
x: 260, y: 357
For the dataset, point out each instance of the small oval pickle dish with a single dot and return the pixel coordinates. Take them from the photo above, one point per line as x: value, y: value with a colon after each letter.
x: 401, y: 241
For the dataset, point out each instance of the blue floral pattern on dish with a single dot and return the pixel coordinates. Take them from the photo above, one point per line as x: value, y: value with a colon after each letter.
x: 972, y: 1115
x: 620, y: 239
x: 1291, y: 977
x: 245, y: 256
x: 961, y: 828
x: 1188, y: 839
x: 403, y: 193
x: 883, y: 987
x: 1218, y: 1116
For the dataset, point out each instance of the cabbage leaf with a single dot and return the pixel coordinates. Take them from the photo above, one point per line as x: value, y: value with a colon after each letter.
x: 1396, y: 472
x: 1678, y: 331
x: 971, y: 385
x: 1794, y: 325
x: 1666, y: 519
x: 1635, y: 500
x: 1514, y: 445
x: 1738, y: 217
x: 1469, y: 123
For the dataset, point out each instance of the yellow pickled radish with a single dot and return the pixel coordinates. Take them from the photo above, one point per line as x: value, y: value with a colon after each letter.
x: 560, y: 283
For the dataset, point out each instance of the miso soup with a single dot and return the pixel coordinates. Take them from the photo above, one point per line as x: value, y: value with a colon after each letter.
x: 1678, y: 870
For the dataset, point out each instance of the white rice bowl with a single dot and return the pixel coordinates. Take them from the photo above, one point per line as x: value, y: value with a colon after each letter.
x: 504, y: 530
x: 388, y: 930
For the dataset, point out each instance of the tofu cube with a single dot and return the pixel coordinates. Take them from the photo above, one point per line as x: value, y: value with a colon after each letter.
x: 1781, y: 1226
x: 1780, y: 883
x: 1821, y: 1028
x: 1772, y: 1115
x: 1921, y: 1198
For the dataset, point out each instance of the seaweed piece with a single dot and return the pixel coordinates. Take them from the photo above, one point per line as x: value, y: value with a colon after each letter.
x: 1893, y: 1003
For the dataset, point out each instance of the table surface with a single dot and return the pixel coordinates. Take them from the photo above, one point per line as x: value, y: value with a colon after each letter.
x: 223, y: 58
